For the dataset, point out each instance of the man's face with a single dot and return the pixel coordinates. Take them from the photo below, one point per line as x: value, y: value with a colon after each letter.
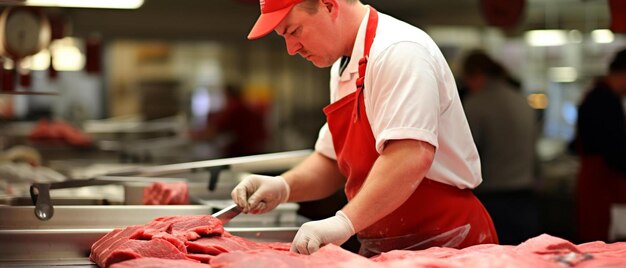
x: 311, y: 35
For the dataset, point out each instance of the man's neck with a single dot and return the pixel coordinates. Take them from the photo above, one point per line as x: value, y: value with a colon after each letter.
x: 352, y: 18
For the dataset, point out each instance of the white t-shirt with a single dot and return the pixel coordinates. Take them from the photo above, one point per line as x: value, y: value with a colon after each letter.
x: 410, y: 93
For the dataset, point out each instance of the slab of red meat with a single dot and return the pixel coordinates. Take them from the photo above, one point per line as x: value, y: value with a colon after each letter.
x: 604, y: 255
x: 102, y: 248
x: 259, y: 258
x: 170, y: 234
x: 60, y: 130
x: 327, y: 256
x: 229, y: 243
x: 133, y: 249
x: 157, y: 262
x: 161, y: 193
x: 204, y: 258
x: 546, y: 244
x: 541, y: 251
x: 434, y: 252
x: 189, y: 227
x: 335, y: 256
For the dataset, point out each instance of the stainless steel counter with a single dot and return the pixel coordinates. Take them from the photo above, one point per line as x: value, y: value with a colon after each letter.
x: 66, y: 239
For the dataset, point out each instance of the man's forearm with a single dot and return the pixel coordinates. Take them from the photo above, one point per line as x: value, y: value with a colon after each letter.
x: 393, y: 178
x: 316, y: 177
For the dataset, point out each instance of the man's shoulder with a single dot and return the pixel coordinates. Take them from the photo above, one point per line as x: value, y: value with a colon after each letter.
x: 392, y: 30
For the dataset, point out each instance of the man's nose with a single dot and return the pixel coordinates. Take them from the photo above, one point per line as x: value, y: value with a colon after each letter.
x: 293, y: 46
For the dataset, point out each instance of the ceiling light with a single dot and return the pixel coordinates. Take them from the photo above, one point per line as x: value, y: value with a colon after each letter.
x: 575, y: 36
x: 543, y: 38
x: 563, y: 74
x: 602, y: 36
x: 116, y: 4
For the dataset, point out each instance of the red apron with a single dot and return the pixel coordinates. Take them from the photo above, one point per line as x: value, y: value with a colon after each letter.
x: 598, y: 188
x: 436, y: 214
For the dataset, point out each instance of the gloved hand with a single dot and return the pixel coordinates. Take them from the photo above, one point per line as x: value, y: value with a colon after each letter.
x: 259, y: 194
x: 312, y: 235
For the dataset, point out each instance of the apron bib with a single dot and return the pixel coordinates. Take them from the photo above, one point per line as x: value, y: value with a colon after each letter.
x: 436, y: 214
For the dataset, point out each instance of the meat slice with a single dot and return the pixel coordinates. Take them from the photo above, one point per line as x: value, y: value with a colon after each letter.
x: 229, y: 243
x: 259, y: 258
x: 327, y: 256
x: 163, y: 237
x: 434, y: 252
x: 204, y: 258
x: 547, y: 244
x: 101, y: 249
x: 157, y: 262
x: 334, y: 256
x: 133, y: 249
x: 190, y: 227
x: 161, y: 193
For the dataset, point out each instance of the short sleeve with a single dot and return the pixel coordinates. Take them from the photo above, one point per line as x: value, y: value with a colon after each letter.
x: 402, y: 95
x: 324, y: 143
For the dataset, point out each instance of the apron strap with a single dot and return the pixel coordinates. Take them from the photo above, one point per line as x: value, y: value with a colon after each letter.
x: 370, y: 34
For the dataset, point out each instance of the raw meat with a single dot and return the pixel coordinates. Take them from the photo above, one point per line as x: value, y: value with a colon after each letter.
x: 189, y: 241
x: 157, y: 262
x: 166, y: 234
x: 229, y: 243
x: 60, y: 130
x: 111, y: 241
x: 161, y: 193
x: 327, y: 256
x: 184, y: 227
x: 259, y: 258
x: 133, y: 249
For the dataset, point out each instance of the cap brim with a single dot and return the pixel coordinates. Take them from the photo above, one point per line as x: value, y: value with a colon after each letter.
x: 267, y: 22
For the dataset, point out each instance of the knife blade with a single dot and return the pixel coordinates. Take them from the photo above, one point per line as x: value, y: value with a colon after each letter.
x: 227, y: 213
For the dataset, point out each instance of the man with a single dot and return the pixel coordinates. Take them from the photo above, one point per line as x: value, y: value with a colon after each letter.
x: 241, y: 125
x: 601, y: 145
x: 498, y: 114
x: 396, y: 137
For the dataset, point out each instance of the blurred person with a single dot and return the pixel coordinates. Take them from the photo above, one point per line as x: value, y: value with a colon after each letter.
x: 601, y: 146
x: 396, y: 136
x: 242, y: 127
x: 504, y: 129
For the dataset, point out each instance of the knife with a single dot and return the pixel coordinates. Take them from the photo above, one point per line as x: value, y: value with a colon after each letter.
x: 227, y: 213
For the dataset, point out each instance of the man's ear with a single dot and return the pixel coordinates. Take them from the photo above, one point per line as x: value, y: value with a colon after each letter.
x: 331, y: 6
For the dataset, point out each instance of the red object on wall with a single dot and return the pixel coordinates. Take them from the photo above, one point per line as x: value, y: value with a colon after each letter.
x: 58, y: 25
x: 618, y: 16
x: 25, y: 79
x: 505, y: 14
x: 8, y: 79
x: 93, y: 57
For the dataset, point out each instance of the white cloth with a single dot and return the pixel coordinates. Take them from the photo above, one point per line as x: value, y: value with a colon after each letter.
x: 410, y: 93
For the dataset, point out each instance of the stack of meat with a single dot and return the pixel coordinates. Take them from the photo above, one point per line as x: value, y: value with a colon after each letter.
x: 161, y: 193
x: 59, y: 130
x: 200, y: 241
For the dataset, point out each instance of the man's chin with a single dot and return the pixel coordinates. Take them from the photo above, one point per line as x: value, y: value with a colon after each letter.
x: 319, y: 64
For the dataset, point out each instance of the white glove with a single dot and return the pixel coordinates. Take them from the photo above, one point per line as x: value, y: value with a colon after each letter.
x: 259, y: 194
x: 312, y: 235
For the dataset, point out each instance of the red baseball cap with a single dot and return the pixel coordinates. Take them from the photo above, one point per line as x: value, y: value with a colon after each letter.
x: 272, y: 13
